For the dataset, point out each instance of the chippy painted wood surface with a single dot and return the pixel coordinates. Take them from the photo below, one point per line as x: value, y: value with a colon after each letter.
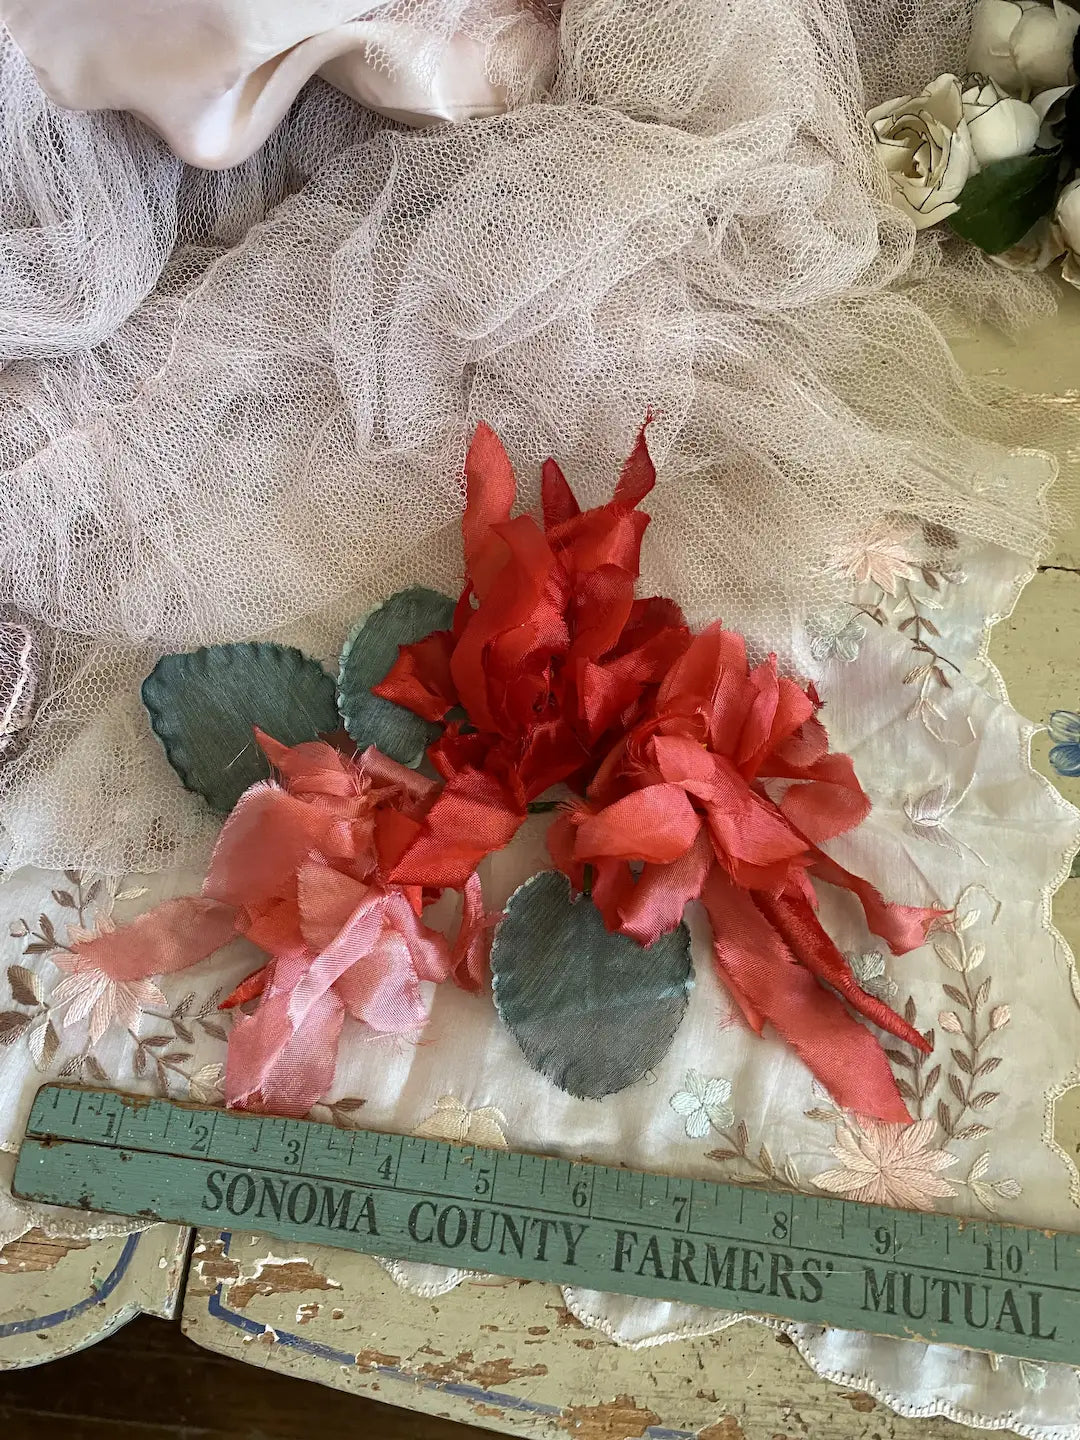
x: 508, y: 1356
x: 58, y: 1295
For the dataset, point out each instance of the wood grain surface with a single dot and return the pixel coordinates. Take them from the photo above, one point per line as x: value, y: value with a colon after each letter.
x: 148, y: 1382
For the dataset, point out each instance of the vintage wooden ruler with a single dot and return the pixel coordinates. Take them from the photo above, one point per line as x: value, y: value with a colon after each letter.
x: 985, y: 1286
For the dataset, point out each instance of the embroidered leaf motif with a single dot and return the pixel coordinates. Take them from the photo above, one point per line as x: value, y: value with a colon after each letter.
x: 96, y: 1071
x: 25, y: 985
x: 12, y: 1025
x: 43, y: 1042
x: 205, y: 704
x: 972, y: 1132
x: 370, y: 651
x: 592, y: 1011
x: 349, y: 1104
x: 927, y: 817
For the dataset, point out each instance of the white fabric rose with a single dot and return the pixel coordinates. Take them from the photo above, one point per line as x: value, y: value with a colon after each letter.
x: 1067, y: 231
x: 1050, y: 108
x: 1000, y: 127
x: 1024, y: 45
x: 924, y: 144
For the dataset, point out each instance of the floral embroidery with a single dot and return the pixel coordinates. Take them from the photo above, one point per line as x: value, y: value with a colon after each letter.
x: 87, y: 993
x: 953, y: 1097
x: 986, y: 1192
x: 337, y: 1112
x: 884, y: 1164
x: 927, y: 818
x: 703, y: 1104
x: 1065, y: 729
x: 869, y: 970
x: 975, y: 1021
x: 901, y: 576
x: 837, y: 639
x: 763, y: 1169
x: 883, y: 558
x: 450, y: 1120
x: 206, y: 1086
x: 47, y: 1015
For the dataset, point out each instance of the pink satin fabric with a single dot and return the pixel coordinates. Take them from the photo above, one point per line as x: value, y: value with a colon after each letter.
x: 214, y: 77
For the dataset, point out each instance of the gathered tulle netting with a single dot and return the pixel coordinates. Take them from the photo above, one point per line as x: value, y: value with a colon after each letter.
x: 235, y: 404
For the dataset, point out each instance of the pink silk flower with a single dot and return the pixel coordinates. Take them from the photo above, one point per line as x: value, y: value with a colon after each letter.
x: 298, y: 869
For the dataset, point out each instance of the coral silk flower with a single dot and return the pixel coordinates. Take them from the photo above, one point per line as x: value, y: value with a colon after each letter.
x: 551, y: 656
x: 299, y: 870
x: 683, y: 796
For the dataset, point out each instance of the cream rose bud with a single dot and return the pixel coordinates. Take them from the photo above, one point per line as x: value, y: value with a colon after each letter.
x: 924, y: 144
x: 1000, y: 127
x: 1067, y: 230
x: 1025, y: 45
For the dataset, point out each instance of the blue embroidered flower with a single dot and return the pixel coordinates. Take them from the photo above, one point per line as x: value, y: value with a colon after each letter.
x: 1065, y: 729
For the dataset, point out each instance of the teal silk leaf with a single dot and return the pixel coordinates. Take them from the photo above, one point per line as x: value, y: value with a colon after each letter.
x: 592, y: 1011
x: 369, y: 654
x: 204, y: 705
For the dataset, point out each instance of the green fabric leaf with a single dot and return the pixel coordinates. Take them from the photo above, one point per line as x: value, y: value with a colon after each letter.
x: 369, y: 654
x: 592, y: 1011
x: 204, y: 704
x: 999, y: 205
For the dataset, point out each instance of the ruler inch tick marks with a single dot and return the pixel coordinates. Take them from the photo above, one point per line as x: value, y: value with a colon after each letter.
x: 977, y: 1284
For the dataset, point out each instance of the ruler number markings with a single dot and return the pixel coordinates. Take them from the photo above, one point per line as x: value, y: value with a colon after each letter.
x: 1023, y: 1284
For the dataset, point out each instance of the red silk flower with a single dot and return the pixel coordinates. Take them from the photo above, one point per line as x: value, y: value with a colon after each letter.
x: 724, y: 792
x: 299, y: 869
x: 550, y: 656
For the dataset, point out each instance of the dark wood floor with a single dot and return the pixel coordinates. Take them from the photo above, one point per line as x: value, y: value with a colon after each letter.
x: 148, y: 1382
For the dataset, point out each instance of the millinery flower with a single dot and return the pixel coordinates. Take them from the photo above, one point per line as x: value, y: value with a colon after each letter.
x: 924, y: 143
x: 724, y: 792
x: 692, y: 775
x: 1023, y: 45
x: 299, y: 870
x: 551, y: 656
x: 1001, y: 127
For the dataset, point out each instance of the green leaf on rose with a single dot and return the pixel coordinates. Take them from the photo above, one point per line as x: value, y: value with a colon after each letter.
x: 1000, y: 204
x: 369, y: 654
x: 592, y: 1011
x: 204, y: 706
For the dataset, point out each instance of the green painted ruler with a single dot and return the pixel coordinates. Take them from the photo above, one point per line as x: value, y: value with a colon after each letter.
x: 989, y: 1287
